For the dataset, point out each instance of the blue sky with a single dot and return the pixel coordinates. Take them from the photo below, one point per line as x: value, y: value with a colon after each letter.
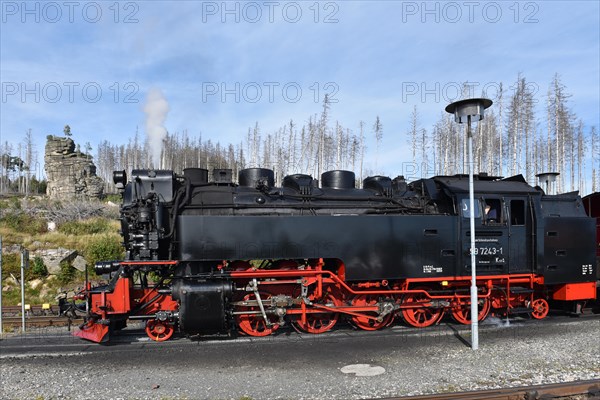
x: 91, y: 64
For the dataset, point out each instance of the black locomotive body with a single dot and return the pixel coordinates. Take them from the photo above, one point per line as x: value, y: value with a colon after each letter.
x: 251, y: 256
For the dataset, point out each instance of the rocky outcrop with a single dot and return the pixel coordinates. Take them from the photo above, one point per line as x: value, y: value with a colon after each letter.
x: 71, y: 174
x: 54, y: 257
x: 79, y: 263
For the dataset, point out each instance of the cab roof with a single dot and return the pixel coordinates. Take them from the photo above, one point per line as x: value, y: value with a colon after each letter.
x: 486, y: 184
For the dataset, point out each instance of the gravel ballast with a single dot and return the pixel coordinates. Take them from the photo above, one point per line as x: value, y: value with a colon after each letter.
x: 340, y: 365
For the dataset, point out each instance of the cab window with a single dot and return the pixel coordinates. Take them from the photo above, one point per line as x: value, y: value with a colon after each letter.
x: 517, y: 212
x: 493, y: 211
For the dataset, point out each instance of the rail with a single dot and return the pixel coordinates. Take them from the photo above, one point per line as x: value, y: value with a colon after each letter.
x: 41, y: 321
x: 32, y: 310
x: 589, y: 388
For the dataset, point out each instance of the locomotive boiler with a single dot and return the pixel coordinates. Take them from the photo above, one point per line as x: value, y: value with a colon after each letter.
x: 213, y: 257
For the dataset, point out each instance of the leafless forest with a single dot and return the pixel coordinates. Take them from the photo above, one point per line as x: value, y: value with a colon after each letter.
x: 523, y: 133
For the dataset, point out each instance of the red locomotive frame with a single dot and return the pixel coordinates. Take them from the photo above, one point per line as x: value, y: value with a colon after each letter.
x: 313, y: 299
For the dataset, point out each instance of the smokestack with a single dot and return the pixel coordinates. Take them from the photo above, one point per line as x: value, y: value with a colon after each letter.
x: 156, y: 109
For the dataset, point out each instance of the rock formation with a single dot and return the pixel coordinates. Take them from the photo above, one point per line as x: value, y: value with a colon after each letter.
x: 54, y: 257
x: 71, y: 174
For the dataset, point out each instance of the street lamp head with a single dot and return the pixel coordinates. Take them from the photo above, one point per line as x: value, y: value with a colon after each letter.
x: 473, y: 108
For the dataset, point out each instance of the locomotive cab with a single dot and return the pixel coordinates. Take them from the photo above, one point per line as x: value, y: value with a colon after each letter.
x: 505, y: 220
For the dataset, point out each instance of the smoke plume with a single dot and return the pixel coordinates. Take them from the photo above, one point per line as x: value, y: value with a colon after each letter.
x: 156, y: 109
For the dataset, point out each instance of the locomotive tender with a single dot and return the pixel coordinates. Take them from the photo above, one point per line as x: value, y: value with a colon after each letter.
x: 214, y: 258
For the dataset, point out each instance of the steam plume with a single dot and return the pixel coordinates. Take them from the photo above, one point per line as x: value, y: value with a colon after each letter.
x: 156, y: 109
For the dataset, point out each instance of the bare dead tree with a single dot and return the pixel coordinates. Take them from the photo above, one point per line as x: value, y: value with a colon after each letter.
x: 378, y: 130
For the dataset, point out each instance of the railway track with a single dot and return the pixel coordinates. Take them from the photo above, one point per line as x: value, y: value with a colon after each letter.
x: 40, y: 321
x: 589, y: 389
x: 35, y: 316
x: 34, y: 310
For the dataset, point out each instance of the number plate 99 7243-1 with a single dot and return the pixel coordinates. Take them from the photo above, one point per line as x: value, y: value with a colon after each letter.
x: 488, y: 251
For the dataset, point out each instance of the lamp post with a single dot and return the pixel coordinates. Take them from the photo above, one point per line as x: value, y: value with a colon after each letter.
x: 465, y: 111
x: 24, y: 264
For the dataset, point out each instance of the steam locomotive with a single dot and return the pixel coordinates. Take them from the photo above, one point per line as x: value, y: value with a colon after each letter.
x: 220, y: 258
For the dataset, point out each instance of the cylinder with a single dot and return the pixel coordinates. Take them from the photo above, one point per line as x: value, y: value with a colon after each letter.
x: 338, y: 179
x: 197, y: 176
x: 250, y: 177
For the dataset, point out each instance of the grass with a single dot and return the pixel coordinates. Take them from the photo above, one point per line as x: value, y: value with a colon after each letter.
x: 12, y: 297
x: 95, y: 239
x: 92, y: 245
x: 87, y: 227
x: 55, y: 239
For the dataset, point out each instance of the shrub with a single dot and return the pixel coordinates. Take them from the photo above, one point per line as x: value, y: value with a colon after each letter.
x: 89, y: 227
x: 67, y: 273
x: 104, y: 248
x: 12, y: 219
x: 38, y: 268
x: 15, y: 202
x: 12, y: 297
x: 11, y: 264
x: 21, y: 222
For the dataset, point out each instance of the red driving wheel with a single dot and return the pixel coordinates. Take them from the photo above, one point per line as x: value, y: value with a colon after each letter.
x: 462, y: 313
x: 365, y: 323
x: 320, y: 322
x: 253, y: 323
x: 422, y: 316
